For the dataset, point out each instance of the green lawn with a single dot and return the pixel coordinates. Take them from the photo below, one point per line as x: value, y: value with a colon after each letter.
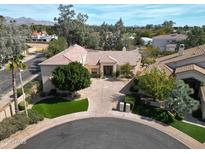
x: 55, y: 107
x: 194, y: 131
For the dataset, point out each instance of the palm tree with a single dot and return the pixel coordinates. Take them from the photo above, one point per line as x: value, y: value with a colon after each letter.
x: 15, y: 64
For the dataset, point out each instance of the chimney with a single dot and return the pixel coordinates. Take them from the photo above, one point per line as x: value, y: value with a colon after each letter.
x: 181, y: 49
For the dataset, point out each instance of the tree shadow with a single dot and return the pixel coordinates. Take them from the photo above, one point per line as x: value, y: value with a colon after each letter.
x: 126, y: 88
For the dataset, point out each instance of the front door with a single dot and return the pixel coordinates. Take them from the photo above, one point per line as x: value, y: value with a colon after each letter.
x: 108, y: 70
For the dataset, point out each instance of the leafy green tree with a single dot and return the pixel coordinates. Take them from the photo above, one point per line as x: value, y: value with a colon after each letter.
x: 168, y: 26
x: 71, y: 77
x: 118, y: 33
x: 92, y: 40
x: 138, y: 41
x: 156, y: 83
x: 195, y: 37
x: 72, y: 26
x: 179, y: 100
x: 125, y: 70
x: 12, y: 45
x: 56, y: 46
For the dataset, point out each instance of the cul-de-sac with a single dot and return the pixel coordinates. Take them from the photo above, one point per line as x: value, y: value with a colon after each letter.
x: 102, y: 76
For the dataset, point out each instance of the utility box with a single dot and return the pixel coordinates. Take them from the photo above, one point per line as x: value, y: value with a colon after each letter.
x: 127, y: 107
x: 121, y: 106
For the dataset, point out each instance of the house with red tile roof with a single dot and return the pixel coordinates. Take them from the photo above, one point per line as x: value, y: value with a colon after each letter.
x: 97, y: 62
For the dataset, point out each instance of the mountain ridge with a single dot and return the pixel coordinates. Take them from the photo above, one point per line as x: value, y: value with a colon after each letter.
x: 28, y: 21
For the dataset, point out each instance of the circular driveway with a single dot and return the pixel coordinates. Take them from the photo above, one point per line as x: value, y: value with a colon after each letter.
x: 102, y: 133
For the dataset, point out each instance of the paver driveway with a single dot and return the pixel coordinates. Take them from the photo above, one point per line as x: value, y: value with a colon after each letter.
x: 103, y: 94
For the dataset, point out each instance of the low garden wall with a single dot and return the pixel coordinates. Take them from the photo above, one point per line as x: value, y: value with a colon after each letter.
x: 9, y: 109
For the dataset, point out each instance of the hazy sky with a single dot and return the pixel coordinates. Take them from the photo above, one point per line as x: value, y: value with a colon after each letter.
x: 130, y: 14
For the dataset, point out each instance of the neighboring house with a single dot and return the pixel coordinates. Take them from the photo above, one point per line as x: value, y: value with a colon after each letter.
x: 97, y: 62
x: 42, y: 37
x: 147, y: 40
x: 188, y: 65
x: 167, y: 42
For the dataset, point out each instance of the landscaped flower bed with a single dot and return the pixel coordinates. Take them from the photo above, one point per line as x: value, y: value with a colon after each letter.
x: 18, y: 122
x: 159, y: 114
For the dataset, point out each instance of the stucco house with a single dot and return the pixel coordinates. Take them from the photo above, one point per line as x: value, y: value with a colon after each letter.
x: 188, y: 65
x: 167, y: 42
x: 97, y: 62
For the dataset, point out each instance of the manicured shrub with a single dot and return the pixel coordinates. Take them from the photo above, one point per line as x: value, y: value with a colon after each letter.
x: 29, y: 100
x: 13, y: 124
x: 117, y: 73
x: 19, y: 92
x: 130, y: 100
x: 18, y: 122
x: 21, y: 121
x: 22, y: 106
x: 34, y: 116
x: 153, y: 112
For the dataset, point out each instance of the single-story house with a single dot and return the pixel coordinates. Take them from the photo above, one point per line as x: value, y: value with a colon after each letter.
x: 167, y: 42
x: 98, y: 63
x: 188, y: 65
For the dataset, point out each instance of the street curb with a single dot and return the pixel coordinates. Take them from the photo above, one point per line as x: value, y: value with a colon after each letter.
x: 21, y: 136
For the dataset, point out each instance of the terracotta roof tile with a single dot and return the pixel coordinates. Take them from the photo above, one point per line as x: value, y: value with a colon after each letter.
x: 73, y: 53
x: 122, y: 57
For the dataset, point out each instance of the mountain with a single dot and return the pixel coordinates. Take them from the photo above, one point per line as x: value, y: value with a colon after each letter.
x: 29, y: 21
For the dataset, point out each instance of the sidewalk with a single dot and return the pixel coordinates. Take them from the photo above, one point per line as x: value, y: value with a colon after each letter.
x: 16, y: 139
x: 6, y: 98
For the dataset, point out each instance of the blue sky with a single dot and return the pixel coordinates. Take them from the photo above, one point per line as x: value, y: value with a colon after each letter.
x: 130, y: 14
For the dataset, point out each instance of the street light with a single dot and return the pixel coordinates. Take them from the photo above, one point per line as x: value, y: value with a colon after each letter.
x: 25, y: 104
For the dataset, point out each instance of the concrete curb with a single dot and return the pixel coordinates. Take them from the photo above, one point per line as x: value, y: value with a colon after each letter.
x: 20, y: 137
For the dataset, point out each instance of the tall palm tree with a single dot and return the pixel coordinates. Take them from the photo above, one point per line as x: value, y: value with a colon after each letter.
x: 14, y: 65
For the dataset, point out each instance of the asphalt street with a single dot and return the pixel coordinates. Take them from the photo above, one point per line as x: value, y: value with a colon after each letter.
x: 32, y: 69
x: 103, y: 133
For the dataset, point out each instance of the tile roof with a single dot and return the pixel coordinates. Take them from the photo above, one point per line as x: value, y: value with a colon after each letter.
x: 191, y: 67
x: 188, y: 53
x: 93, y: 57
x: 121, y: 57
x: 162, y: 63
x: 73, y: 53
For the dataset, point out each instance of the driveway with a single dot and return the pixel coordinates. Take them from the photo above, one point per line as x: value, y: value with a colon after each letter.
x: 103, y: 94
x: 105, y: 133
